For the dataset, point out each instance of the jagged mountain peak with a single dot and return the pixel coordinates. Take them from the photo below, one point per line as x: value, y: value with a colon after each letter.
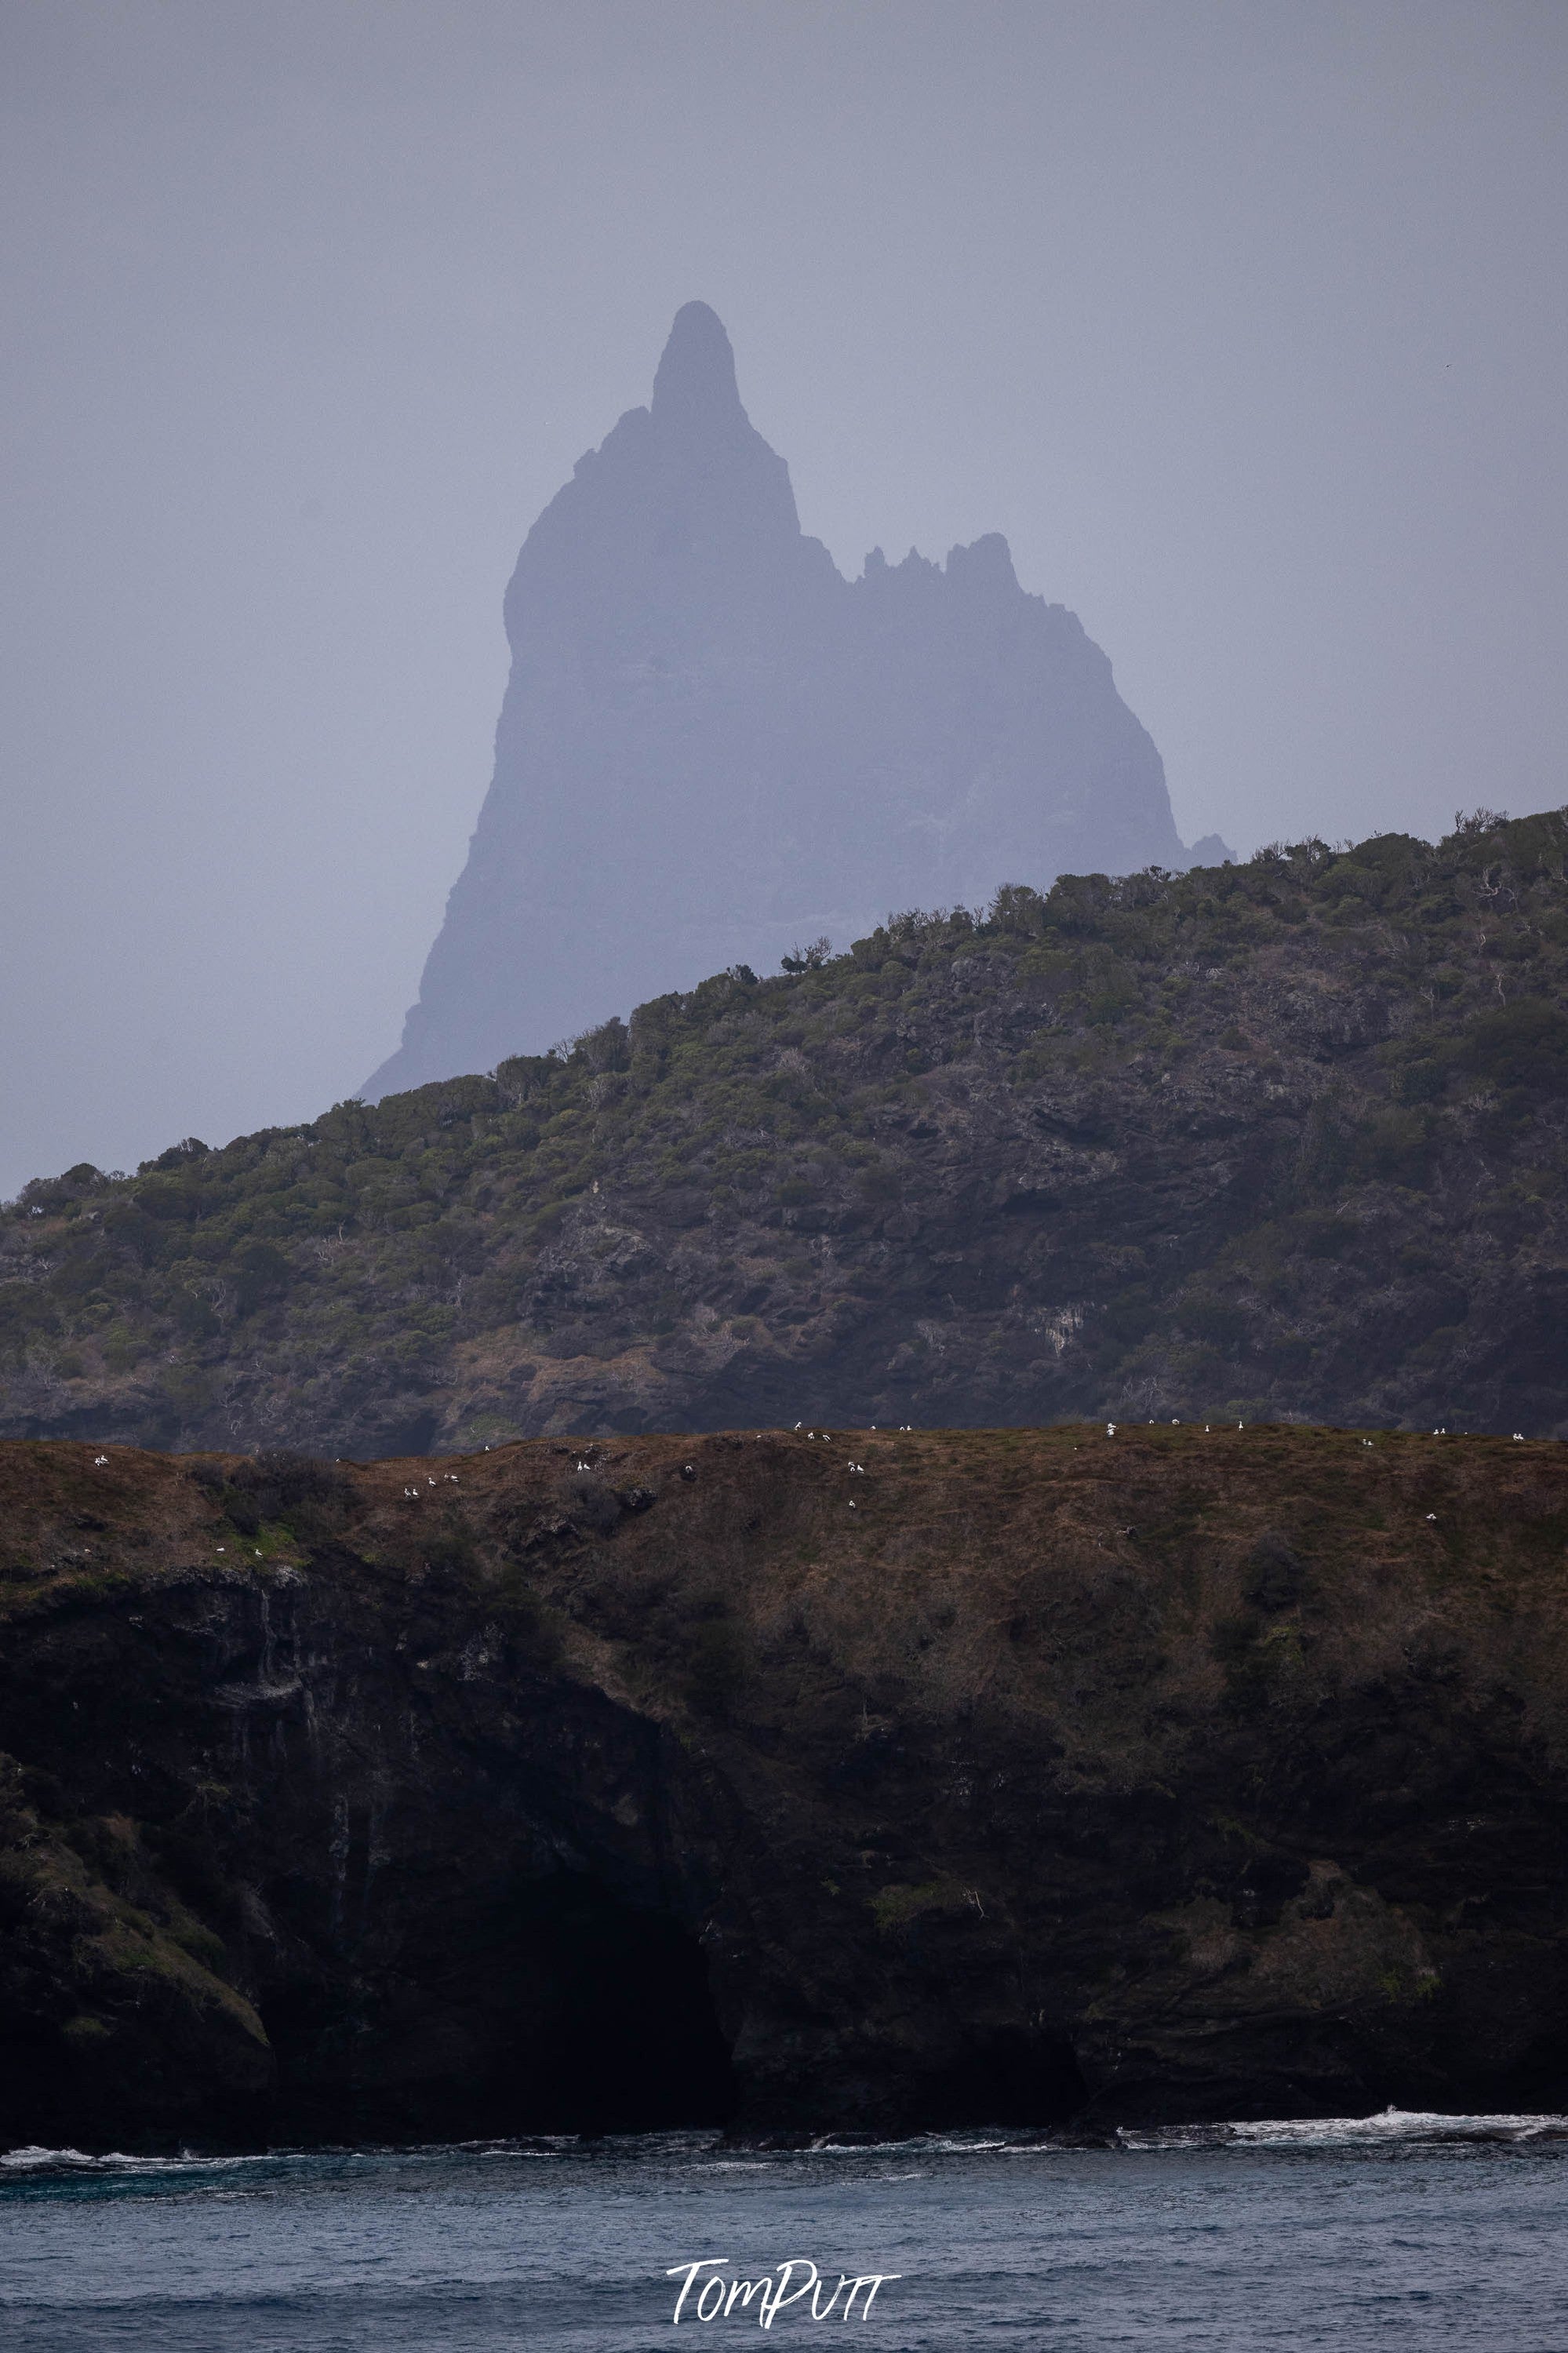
x: 695, y: 381
x: 713, y: 747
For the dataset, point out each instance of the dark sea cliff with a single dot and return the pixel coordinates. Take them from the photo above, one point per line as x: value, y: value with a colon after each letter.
x: 791, y: 1782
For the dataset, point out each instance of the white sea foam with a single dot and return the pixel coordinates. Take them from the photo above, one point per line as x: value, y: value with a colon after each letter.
x: 72, y: 2160
x: 1398, y: 2125
x: 1391, y: 2127
x: 35, y: 2160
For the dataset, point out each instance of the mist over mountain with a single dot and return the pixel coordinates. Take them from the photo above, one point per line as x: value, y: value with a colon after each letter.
x: 714, y: 748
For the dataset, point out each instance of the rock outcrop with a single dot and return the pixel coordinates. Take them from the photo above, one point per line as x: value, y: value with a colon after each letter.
x: 858, y: 1781
x: 713, y: 748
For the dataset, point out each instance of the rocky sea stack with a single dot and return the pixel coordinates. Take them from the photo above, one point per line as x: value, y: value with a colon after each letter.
x: 805, y: 1781
x: 714, y: 748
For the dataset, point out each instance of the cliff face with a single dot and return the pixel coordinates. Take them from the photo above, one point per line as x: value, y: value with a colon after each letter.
x: 1017, y: 1776
x: 714, y: 748
x: 1287, y: 1141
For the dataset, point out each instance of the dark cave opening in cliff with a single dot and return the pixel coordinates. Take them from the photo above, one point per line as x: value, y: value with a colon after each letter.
x: 545, y: 2005
x: 1009, y: 2078
x: 542, y: 2005
x: 636, y: 2042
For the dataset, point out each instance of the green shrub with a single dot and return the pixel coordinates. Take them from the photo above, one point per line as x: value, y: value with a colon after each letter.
x: 1521, y: 1045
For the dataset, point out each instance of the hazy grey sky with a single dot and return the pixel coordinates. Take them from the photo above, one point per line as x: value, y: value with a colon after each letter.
x: 1244, y: 322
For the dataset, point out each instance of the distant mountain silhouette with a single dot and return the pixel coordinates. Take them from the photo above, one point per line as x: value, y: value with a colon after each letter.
x: 714, y: 748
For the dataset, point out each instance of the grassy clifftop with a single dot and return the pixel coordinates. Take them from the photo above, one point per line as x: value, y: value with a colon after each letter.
x: 1282, y: 1140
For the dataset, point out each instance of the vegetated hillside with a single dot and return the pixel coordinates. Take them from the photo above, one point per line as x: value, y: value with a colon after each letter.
x: 1279, y: 1140
x: 867, y: 1780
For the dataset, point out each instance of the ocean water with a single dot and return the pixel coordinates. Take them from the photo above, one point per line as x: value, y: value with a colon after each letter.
x: 1394, y: 2231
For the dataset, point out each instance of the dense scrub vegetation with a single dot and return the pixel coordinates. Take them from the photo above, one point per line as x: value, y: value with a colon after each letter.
x: 1279, y: 1140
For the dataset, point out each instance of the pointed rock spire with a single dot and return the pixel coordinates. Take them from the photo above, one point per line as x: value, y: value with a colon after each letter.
x: 714, y: 748
x: 696, y: 377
